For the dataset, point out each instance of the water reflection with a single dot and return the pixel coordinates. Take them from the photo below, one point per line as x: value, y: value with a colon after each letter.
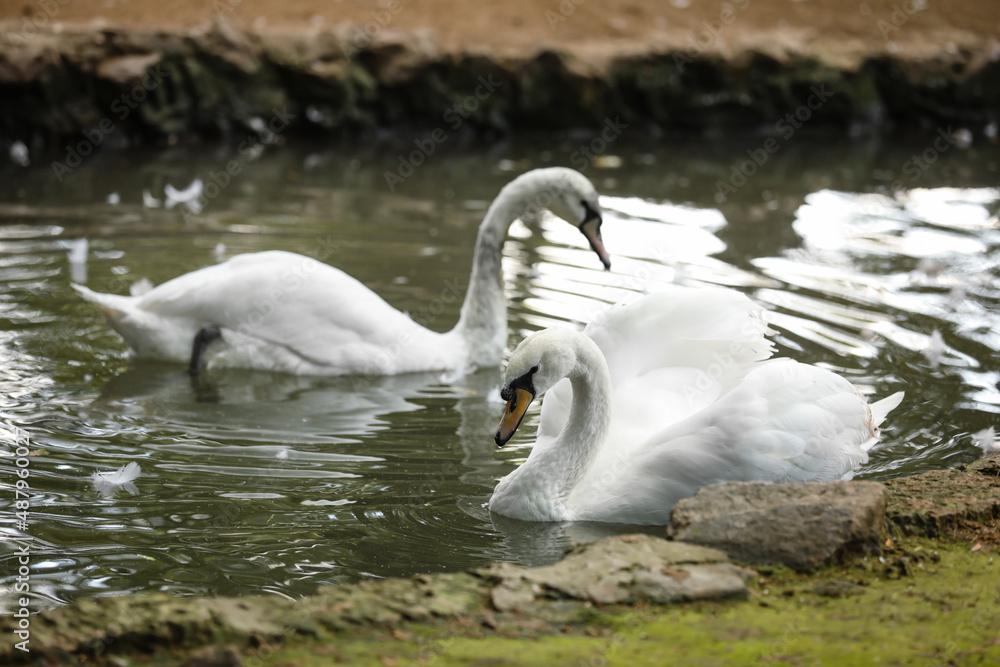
x: 269, y: 407
x: 257, y: 483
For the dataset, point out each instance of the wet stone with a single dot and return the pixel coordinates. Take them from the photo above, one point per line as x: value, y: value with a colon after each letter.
x: 625, y: 569
x: 802, y: 526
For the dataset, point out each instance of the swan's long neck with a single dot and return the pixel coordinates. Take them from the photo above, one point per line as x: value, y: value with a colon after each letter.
x: 572, y: 454
x: 483, y: 321
x: 541, y: 487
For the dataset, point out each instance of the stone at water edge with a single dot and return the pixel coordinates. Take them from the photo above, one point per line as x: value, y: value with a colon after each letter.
x: 802, y: 526
x: 619, y: 570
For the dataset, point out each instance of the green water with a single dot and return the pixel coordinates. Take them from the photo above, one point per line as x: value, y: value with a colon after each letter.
x: 257, y: 483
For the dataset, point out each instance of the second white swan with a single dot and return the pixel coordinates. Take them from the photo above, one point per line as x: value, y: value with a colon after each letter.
x: 280, y: 311
x: 667, y: 394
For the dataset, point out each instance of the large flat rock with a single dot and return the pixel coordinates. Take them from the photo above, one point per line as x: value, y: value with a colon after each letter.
x: 622, y: 569
x: 802, y: 526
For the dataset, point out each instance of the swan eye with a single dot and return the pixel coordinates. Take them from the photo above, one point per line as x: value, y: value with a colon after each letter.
x: 509, y: 393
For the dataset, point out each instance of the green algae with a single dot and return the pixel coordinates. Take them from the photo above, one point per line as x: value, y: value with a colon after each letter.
x: 946, y: 611
x: 929, y: 597
x: 923, y: 601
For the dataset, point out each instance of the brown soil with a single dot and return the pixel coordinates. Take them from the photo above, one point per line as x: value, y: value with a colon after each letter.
x: 517, y: 26
x: 350, y: 67
x: 957, y: 504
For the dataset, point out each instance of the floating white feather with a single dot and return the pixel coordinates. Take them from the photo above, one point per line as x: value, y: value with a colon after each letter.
x: 78, y: 260
x: 140, y: 287
x: 986, y: 440
x: 935, y: 349
x: 108, y: 483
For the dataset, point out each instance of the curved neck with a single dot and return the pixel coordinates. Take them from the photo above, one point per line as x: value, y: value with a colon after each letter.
x: 565, y: 462
x: 483, y: 320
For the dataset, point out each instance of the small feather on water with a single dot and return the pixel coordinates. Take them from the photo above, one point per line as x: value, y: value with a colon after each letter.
x: 986, y: 440
x: 935, y: 349
x: 140, y: 287
x: 108, y: 483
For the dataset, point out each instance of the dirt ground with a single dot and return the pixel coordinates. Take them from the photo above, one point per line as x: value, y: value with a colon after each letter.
x: 365, y: 67
x: 518, y: 25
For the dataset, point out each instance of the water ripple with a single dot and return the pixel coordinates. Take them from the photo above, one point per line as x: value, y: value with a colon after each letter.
x: 254, y: 483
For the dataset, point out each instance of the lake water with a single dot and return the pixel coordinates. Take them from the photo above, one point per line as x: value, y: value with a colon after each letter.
x: 257, y: 483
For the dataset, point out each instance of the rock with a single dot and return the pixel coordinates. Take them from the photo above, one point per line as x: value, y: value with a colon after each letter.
x: 802, y: 526
x: 621, y: 569
x: 939, y: 502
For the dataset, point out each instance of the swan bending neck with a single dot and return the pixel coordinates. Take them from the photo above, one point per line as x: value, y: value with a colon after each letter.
x: 575, y: 449
x: 483, y: 321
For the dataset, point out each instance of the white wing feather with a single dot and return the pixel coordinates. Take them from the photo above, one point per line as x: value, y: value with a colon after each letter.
x: 695, y: 400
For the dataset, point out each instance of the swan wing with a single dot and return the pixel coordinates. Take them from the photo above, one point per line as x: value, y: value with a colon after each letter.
x: 280, y: 299
x: 670, y: 354
x: 680, y: 327
x: 784, y: 422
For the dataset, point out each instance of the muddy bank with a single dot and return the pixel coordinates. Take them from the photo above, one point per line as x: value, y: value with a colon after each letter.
x: 89, y: 75
x: 919, y: 598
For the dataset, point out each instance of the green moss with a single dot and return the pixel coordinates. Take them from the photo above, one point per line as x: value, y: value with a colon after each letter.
x: 927, y: 604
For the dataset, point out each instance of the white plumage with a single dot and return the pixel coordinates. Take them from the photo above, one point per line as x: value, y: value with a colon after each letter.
x: 281, y: 311
x: 108, y: 483
x: 667, y: 394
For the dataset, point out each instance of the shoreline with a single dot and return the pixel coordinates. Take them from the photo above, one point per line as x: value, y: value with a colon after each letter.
x: 930, y: 576
x: 118, y: 79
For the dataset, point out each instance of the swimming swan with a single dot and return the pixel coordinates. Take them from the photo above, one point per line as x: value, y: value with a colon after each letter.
x: 281, y: 311
x: 667, y: 394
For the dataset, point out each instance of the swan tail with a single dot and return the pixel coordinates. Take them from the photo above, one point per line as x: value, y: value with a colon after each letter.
x: 878, y: 411
x: 882, y: 408
x: 118, y: 310
x: 114, y: 306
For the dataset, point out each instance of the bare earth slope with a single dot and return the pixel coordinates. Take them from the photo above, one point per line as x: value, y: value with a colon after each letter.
x: 515, y: 65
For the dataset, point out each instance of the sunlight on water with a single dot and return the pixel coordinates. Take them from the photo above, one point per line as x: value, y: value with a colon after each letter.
x: 257, y: 483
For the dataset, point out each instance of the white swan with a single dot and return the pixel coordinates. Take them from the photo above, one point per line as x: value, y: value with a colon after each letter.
x: 667, y: 394
x: 281, y: 311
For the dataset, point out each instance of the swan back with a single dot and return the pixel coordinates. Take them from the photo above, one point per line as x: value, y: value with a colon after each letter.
x: 692, y: 399
x: 674, y: 351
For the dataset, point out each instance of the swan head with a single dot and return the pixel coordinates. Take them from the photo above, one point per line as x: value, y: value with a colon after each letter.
x: 571, y: 196
x: 539, y: 362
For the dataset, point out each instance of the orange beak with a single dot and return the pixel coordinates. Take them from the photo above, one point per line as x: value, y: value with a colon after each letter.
x: 518, y: 404
x: 591, y: 228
